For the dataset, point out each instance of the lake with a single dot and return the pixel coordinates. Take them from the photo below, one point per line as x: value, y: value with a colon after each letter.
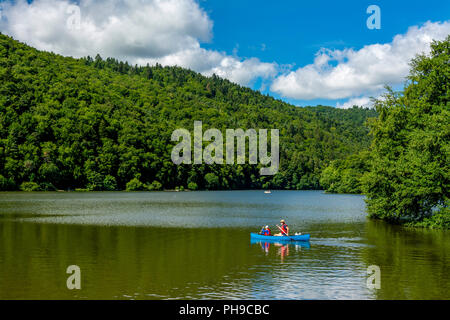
x: 196, y: 245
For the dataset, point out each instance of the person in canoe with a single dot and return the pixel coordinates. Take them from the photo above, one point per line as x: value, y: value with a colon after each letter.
x: 265, y: 231
x: 284, y: 229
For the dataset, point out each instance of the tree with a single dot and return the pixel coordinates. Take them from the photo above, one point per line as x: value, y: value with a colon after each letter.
x: 212, y: 181
x: 155, y: 186
x: 109, y: 183
x: 29, y: 186
x: 345, y: 176
x: 135, y: 185
x: 192, y: 186
x: 409, y: 171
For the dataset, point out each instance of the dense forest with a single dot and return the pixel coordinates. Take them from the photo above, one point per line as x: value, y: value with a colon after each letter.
x: 102, y: 124
x: 409, y: 169
x: 405, y: 173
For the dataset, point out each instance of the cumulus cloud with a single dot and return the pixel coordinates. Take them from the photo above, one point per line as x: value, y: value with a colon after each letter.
x: 360, y: 101
x: 138, y: 31
x: 209, y: 62
x: 349, y: 73
x: 123, y: 28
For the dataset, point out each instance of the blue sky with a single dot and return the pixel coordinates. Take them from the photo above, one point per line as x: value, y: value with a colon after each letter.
x: 291, y: 32
x: 294, y: 30
x: 304, y: 52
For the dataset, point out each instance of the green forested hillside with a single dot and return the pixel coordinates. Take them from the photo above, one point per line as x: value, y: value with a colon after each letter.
x: 102, y: 124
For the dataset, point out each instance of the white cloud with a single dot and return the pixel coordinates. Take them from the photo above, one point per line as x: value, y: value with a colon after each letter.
x: 164, y: 31
x: 360, y: 101
x: 124, y: 28
x: 208, y: 62
x: 348, y: 73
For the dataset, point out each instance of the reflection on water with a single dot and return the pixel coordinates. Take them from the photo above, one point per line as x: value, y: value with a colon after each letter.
x: 196, y: 245
x: 416, y: 262
x: 281, y: 247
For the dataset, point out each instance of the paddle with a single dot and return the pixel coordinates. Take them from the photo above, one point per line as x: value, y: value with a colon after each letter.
x: 284, y: 232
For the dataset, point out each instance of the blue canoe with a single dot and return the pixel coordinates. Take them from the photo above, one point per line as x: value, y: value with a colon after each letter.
x: 301, y: 237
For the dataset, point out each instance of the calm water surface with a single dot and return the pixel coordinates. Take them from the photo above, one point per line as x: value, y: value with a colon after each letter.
x: 196, y: 245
